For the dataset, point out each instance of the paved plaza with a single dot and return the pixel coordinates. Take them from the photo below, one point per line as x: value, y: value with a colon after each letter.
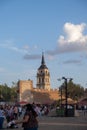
x: 61, y: 123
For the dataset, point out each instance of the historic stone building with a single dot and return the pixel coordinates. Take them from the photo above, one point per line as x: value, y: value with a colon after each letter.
x: 43, y: 76
x: 43, y: 92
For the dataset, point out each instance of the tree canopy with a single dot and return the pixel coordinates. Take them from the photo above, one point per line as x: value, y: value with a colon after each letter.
x: 8, y: 93
x: 74, y: 91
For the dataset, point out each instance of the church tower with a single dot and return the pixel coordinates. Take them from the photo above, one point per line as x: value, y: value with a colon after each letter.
x: 43, y: 76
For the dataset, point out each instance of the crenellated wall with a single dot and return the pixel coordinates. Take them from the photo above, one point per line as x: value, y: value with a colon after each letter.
x: 30, y: 94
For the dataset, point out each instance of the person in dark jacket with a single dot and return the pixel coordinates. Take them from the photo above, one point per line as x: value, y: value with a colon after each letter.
x: 29, y: 121
x: 2, y: 117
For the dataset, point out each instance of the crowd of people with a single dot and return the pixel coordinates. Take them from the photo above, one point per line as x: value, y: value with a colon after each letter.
x: 12, y: 113
x: 9, y: 113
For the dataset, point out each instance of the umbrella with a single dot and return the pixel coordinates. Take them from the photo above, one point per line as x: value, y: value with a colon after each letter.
x: 23, y: 102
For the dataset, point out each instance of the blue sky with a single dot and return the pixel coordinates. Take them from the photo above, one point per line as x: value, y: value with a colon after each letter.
x: 56, y: 27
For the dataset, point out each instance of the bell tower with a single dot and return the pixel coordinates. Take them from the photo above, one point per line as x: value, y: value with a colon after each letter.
x: 43, y: 75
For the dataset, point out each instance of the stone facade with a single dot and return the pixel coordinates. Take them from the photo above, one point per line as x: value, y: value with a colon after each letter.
x: 29, y: 94
x: 24, y: 90
x: 43, y: 76
x: 42, y: 93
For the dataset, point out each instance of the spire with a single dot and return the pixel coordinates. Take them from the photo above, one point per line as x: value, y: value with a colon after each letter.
x: 43, y: 61
x: 43, y: 66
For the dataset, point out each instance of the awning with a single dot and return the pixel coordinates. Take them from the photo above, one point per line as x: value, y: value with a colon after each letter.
x: 23, y: 103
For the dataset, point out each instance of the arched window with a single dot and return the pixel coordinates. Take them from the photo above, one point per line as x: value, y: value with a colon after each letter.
x: 39, y: 80
x: 42, y: 80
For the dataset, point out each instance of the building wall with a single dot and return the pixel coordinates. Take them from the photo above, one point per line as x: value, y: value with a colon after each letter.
x: 43, y: 76
x: 30, y: 94
x: 43, y: 92
x: 24, y: 89
x: 43, y: 79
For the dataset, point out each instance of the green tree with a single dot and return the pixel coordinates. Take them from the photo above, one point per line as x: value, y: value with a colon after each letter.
x: 8, y: 93
x: 4, y: 93
x: 74, y: 91
x: 14, y: 91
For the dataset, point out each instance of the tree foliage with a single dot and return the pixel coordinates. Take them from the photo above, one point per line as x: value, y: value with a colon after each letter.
x: 8, y: 93
x: 4, y: 93
x: 74, y: 91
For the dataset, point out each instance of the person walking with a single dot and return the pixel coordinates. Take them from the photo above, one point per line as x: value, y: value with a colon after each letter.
x: 29, y: 121
x: 2, y: 117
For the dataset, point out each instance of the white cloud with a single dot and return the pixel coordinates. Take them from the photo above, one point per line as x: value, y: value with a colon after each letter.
x: 26, y: 47
x: 73, y: 40
x: 73, y: 35
x: 50, y: 57
x: 18, y: 49
x: 8, y: 44
x: 30, y: 57
x: 72, y: 61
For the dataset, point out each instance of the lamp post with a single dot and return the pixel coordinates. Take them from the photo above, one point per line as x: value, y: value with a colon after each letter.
x: 60, y: 89
x: 61, y: 96
x: 66, y: 95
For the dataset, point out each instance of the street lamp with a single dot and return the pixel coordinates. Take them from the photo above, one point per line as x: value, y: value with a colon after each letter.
x: 66, y: 95
x: 61, y: 96
x: 60, y: 89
